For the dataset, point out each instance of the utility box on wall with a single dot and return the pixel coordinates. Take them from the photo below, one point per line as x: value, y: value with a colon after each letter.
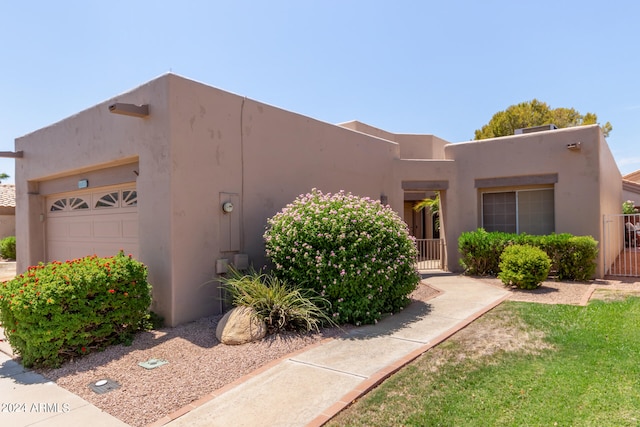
x: 241, y: 262
x: 229, y: 204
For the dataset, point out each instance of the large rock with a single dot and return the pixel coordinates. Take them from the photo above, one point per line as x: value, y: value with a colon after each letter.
x: 240, y: 326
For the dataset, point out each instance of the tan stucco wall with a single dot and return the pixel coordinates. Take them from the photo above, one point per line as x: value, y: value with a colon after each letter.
x: 411, y: 146
x: 369, y: 130
x: 421, y: 146
x: 611, y: 197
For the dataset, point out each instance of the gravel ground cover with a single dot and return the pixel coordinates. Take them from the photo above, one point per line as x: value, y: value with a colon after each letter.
x: 197, y: 364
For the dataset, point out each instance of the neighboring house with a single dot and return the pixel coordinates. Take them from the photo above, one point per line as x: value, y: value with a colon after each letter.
x: 631, y: 187
x: 7, y: 210
x: 184, y: 176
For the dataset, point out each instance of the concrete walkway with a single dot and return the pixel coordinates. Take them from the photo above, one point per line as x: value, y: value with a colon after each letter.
x: 303, y: 389
x: 29, y: 399
x: 308, y: 388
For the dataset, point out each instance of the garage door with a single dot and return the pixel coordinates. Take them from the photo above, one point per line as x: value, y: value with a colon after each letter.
x: 100, y: 221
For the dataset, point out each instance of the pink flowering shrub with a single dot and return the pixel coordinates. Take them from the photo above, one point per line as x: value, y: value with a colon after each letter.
x: 57, y: 311
x: 352, y: 251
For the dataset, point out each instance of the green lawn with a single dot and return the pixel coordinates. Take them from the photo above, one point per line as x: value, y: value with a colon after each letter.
x: 550, y: 365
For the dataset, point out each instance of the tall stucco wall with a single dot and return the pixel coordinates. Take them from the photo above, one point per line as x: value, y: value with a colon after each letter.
x: 205, y: 161
x: 577, y: 190
x: 421, y: 146
x: 412, y: 146
x: 610, y: 204
x: 369, y: 130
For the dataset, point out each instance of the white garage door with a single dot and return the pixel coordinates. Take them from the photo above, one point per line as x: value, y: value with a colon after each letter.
x: 86, y: 222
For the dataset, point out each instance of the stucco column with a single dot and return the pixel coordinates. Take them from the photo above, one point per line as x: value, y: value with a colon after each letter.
x: 30, y: 217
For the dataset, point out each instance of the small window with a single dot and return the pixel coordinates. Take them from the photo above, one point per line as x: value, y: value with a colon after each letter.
x: 58, y: 205
x: 129, y: 198
x: 108, y: 200
x: 76, y: 203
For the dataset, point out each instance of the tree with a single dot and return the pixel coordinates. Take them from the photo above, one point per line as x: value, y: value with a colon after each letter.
x: 536, y: 113
x: 3, y: 176
x: 433, y: 205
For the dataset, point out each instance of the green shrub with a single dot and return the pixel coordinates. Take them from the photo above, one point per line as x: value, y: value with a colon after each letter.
x: 480, y: 251
x: 577, y: 259
x: 57, y: 311
x: 353, y: 251
x: 553, y: 245
x: 572, y: 257
x: 524, y: 266
x: 280, y: 305
x: 152, y: 320
x: 8, y: 247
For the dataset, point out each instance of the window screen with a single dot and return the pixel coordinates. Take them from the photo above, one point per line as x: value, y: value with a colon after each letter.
x: 499, y: 212
x: 524, y: 211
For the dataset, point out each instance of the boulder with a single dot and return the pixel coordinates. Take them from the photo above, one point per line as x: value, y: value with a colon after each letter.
x: 240, y: 326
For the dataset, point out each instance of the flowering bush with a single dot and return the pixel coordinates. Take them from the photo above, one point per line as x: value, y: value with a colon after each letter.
x: 60, y: 310
x: 628, y: 207
x: 353, y: 251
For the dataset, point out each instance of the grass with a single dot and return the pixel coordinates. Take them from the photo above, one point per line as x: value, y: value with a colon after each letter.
x: 553, y: 365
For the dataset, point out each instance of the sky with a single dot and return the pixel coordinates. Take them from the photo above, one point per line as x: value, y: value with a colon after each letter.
x: 426, y: 67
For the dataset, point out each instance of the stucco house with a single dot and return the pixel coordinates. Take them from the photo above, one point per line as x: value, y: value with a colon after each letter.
x: 184, y: 176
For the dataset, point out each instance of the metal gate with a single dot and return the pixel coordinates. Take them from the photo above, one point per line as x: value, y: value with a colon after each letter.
x: 430, y: 254
x: 621, y: 245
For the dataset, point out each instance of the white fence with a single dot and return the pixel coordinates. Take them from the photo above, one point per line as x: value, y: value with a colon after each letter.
x: 621, y: 245
x: 430, y: 254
